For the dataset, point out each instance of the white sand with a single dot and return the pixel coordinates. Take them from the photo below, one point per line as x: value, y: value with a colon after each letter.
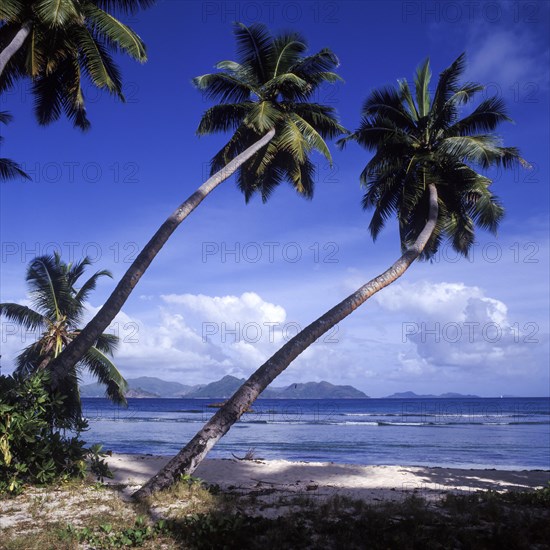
x: 323, y: 478
x: 273, y: 484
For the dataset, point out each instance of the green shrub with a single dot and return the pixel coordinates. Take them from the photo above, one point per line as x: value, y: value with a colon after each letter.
x: 38, y: 444
x: 108, y: 537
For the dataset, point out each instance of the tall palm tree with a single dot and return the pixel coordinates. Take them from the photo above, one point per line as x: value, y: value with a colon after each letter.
x: 424, y: 172
x: 264, y: 97
x: 9, y: 169
x: 57, y: 311
x: 57, y: 43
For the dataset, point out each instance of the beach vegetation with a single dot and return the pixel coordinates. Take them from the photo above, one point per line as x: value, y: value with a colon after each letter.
x: 57, y: 309
x: 508, y: 520
x: 34, y: 447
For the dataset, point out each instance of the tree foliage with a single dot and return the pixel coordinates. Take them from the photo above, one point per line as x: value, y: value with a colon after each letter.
x: 419, y: 140
x: 272, y: 85
x: 57, y: 309
x: 69, y: 41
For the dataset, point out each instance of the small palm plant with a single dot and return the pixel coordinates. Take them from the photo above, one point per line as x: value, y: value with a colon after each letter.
x: 424, y: 172
x: 58, y: 308
x: 56, y: 43
x: 265, y: 98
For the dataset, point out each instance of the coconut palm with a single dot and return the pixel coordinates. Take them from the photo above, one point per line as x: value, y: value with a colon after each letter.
x: 271, y: 87
x: 57, y: 310
x: 424, y: 171
x: 9, y: 169
x: 264, y: 98
x: 57, y: 43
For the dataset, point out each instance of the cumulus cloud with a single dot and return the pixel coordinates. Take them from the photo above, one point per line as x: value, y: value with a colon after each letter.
x: 512, y: 50
x: 454, y: 325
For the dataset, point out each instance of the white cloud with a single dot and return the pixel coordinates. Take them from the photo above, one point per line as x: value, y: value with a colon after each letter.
x: 453, y: 325
x: 512, y: 51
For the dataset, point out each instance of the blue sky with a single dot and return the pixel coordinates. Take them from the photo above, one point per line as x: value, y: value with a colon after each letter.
x: 236, y: 280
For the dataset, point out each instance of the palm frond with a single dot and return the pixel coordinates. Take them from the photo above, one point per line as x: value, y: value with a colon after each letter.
x: 254, y: 49
x: 485, y: 118
x: 22, y: 315
x: 223, y: 117
x: 55, y: 13
x: 263, y: 116
x: 47, y: 91
x: 223, y: 87
x: 314, y: 140
x: 84, y: 291
x: 321, y: 117
x: 448, y: 82
x: 287, y: 50
x: 11, y: 10
x: 116, y: 32
x: 107, y: 343
x: 406, y: 96
x: 98, y: 63
x: 105, y: 372
x: 125, y: 6
x: 422, y: 81
x: 9, y: 170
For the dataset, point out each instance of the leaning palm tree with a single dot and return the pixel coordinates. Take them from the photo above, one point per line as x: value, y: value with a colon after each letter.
x: 56, y: 43
x: 9, y: 169
x: 425, y: 173
x: 265, y: 99
x: 57, y: 311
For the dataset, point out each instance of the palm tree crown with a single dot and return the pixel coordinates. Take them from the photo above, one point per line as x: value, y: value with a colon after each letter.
x: 58, y: 310
x: 423, y: 142
x: 271, y: 86
x: 67, y: 40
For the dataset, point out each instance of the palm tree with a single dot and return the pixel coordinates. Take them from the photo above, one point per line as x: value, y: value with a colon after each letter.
x: 56, y: 43
x: 423, y: 172
x: 9, y: 169
x: 265, y: 98
x: 57, y: 310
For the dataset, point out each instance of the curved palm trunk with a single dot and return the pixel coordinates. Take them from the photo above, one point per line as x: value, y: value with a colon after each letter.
x: 187, y: 460
x: 9, y: 51
x: 89, y: 334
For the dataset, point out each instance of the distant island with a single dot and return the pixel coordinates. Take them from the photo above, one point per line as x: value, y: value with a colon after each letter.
x: 412, y: 395
x: 151, y: 387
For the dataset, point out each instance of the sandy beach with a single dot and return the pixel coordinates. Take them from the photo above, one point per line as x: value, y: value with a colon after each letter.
x: 269, y: 496
x: 370, y: 483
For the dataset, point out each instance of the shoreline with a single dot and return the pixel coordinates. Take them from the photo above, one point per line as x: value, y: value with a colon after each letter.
x: 365, y: 482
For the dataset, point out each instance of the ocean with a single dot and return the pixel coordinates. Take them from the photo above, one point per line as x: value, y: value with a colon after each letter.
x: 502, y: 433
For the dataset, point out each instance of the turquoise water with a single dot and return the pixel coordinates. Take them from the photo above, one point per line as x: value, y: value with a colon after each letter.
x: 505, y: 433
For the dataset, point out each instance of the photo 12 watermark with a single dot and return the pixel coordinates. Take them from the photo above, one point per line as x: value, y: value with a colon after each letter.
x: 466, y: 11
x: 70, y: 251
x: 491, y: 253
x: 253, y: 332
x: 271, y: 12
x: 126, y: 332
x: 81, y: 172
x: 469, y: 332
x: 270, y: 252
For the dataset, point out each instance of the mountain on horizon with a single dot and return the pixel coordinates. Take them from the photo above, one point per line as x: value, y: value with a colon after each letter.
x: 412, y: 395
x: 152, y: 387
